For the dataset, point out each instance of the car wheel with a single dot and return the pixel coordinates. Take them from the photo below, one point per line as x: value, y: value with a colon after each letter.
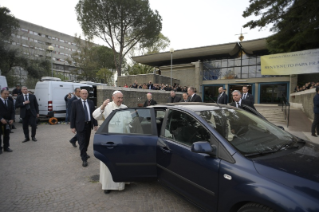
x: 254, y: 207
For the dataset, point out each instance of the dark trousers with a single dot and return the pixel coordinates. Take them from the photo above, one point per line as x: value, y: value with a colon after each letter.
x: 74, y: 139
x: 29, y: 119
x: 84, y: 139
x: 315, y: 124
x: 6, y: 136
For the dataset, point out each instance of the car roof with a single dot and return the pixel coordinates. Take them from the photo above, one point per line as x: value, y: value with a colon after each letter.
x: 195, y: 106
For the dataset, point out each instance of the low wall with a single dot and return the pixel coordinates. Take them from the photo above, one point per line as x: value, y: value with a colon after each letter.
x: 132, y: 96
x: 145, y: 78
x: 304, y: 101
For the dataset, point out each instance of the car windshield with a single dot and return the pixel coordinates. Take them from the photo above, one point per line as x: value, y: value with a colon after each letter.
x: 248, y: 133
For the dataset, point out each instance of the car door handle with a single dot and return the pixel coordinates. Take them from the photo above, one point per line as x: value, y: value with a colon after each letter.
x: 165, y: 149
x: 109, y: 144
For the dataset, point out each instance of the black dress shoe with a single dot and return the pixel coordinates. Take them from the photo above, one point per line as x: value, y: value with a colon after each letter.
x: 13, y: 127
x: 8, y: 150
x: 107, y: 191
x: 87, y: 156
x: 73, y: 143
x: 11, y: 131
x: 34, y: 139
x: 1, y: 151
x: 314, y: 135
x: 85, y: 164
x: 26, y: 140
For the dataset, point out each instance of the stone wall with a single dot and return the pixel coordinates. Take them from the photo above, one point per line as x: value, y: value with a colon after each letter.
x: 304, y: 100
x: 132, y: 96
x: 145, y: 78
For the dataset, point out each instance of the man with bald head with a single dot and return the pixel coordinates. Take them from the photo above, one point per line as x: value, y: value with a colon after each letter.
x: 150, y: 100
x: 101, y: 113
x: 82, y: 122
x: 222, y: 97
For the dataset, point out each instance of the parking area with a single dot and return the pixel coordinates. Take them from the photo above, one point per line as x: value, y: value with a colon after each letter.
x: 47, y: 175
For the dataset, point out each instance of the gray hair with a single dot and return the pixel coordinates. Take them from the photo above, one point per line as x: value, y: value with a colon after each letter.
x: 24, y: 87
x: 115, y: 92
x: 236, y: 91
x: 192, y: 88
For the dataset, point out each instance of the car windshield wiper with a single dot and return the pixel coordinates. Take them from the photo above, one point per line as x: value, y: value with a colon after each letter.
x: 260, y: 153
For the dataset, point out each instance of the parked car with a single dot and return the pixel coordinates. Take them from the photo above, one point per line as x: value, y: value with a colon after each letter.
x: 220, y: 158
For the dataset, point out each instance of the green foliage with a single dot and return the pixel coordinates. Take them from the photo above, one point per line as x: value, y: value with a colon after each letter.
x: 122, y: 24
x: 104, y: 75
x: 138, y: 68
x: 295, y: 22
x: 91, y: 58
x: 8, y: 24
x: 60, y: 75
x: 38, y: 68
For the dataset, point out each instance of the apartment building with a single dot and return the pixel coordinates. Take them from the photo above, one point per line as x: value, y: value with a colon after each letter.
x: 33, y: 41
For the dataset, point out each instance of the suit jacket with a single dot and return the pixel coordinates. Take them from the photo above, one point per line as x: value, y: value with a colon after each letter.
x: 223, y: 99
x: 69, y: 105
x: 316, y: 103
x: 7, y: 113
x: 249, y: 97
x: 153, y: 102
x: 196, y: 98
x: 77, y: 120
x: 148, y: 86
x: 176, y: 99
x: 34, y: 107
x: 244, y: 102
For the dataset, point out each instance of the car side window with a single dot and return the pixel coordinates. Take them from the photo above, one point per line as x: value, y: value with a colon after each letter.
x: 131, y: 121
x: 184, y: 128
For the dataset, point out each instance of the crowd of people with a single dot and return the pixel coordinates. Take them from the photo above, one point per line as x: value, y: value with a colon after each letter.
x: 151, y: 86
x: 306, y: 86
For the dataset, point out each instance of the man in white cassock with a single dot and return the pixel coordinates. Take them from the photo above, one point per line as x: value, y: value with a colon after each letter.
x: 101, y: 113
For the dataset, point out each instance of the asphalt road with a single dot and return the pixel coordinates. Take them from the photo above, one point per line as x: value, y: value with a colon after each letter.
x: 47, y: 175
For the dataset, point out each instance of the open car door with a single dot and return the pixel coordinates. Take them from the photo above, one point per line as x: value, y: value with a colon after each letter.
x: 126, y: 144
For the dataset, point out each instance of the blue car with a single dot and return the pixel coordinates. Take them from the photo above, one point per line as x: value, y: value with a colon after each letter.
x: 218, y: 157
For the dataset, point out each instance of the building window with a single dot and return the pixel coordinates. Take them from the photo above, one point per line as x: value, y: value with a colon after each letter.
x: 53, y: 38
x: 24, y: 45
x: 74, y: 44
x: 25, y: 30
x: 47, y: 43
x: 61, y: 40
x: 24, y: 38
x: 14, y: 43
x: 13, y: 35
x: 61, y: 47
x: 18, y: 36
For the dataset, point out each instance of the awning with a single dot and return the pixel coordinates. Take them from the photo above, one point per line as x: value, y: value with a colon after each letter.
x: 184, y: 56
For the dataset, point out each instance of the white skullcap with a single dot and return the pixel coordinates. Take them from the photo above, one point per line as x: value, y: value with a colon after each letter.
x: 115, y: 92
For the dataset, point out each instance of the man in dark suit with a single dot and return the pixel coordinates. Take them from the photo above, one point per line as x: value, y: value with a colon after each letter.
x: 82, y: 122
x: 173, y: 98
x: 185, y: 97
x: 192, y: 96
x: 7, y: 114
x: 222, y: 97
x: 150, y: 86
x: 315, y: 123
x: 76, y: 96
x: 149, y: 100
x: 248, y: 96
x: 239, y: 102
x: 29, y: 112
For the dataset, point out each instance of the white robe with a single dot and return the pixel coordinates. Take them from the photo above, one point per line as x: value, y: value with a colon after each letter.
x: 105, y: 175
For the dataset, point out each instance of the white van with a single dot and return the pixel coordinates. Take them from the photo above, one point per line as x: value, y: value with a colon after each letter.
x: 50, y: 96
x: 3, y: 82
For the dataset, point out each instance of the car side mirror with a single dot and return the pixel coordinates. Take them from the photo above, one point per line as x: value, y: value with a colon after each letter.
x: 281, y: 127
x: 204, y: 147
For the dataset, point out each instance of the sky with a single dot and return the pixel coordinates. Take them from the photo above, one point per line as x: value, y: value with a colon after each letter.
x: 187, y: 23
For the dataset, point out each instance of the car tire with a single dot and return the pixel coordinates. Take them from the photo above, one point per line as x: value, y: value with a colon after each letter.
x: 254, y: 207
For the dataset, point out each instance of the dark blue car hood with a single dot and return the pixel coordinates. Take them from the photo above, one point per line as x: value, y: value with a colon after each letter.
x: 298, y: 169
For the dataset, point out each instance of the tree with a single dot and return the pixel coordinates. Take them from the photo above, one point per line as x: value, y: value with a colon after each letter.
x: 8, y: 23
x: 295, y: 22
x: 104, y: 75
x: 90, y: 58
x: 122, y: 24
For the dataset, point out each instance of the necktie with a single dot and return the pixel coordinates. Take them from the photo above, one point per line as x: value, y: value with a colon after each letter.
x: 244, y: 96
x: 28, y: 105
x: 237, y: 104
x: 5, y: 103
x: 86, y: 112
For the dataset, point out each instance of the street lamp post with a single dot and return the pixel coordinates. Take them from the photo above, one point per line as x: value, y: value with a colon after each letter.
x: 172, y: 51
x: 50, y: 49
